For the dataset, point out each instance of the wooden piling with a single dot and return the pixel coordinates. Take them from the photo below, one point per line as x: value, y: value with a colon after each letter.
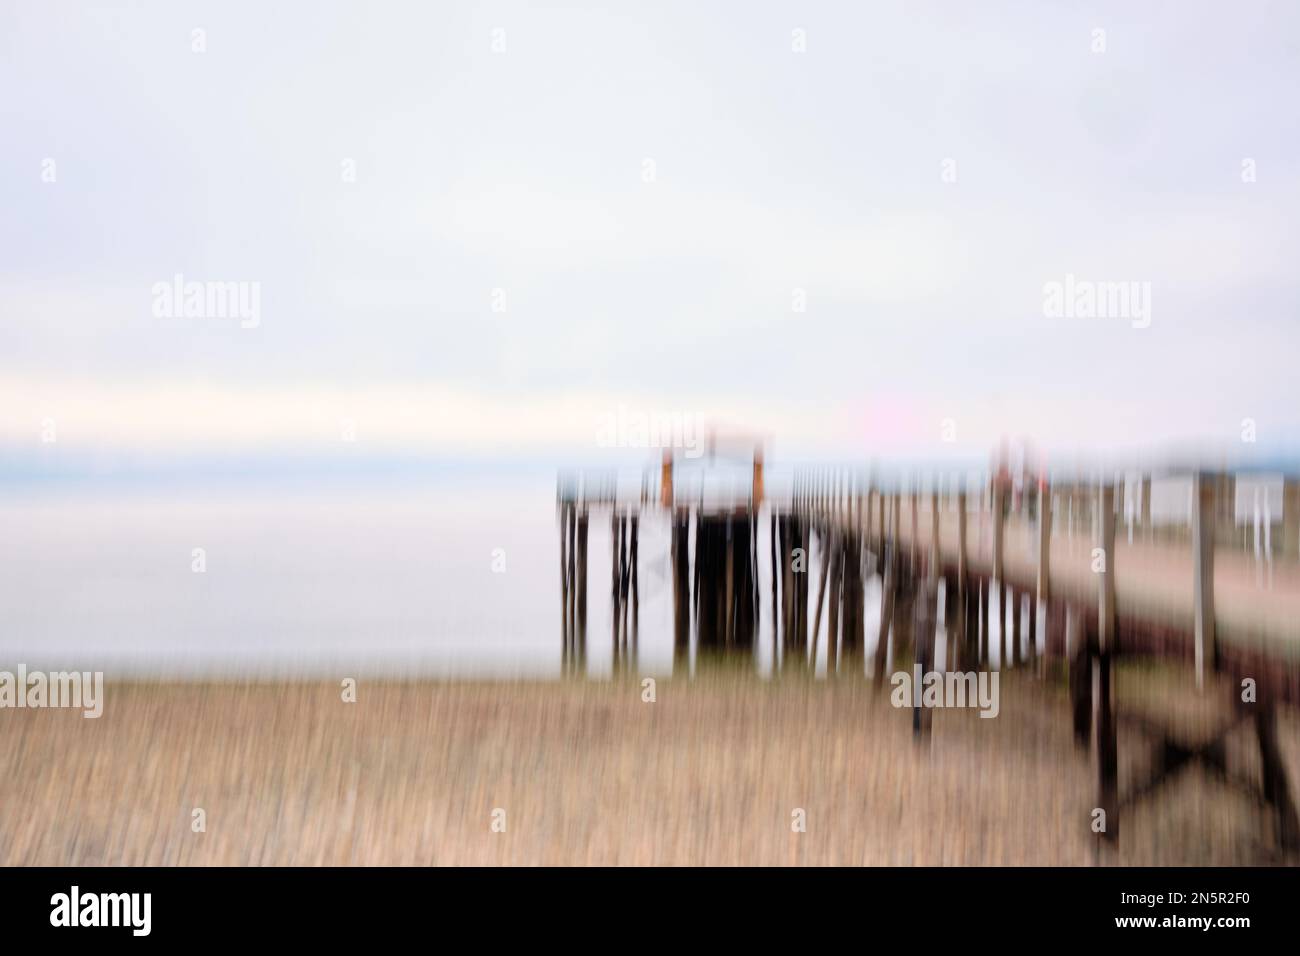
x: 880, y: 523
x: 729, y: 630
x: 801, y: 585
x: 1044, y: 539
x: 998, y: 502
x: 666, y: 479
x: 681, y: 588
x: 1107, y: 745
x: 963, y: 565
x: 923, y: 636
x: 1031, y: 646
x: 984, y: 648
x: 580, y: 638
x: 790, y: 650
x: 1277, y: 790
x: 833, y: 618
x: 1203, y: 534
x: 1080, y: 676
x: 565, y: 646
x: 866, y: 510
x: 615, y: 570
x: 889, y: 583
x: 625, y: 579
x: 1145, y: 521
x: 696, y: 564
x: 776, y: 626
x: 1291, y: 518
x: 904, y: 616
x: 853, y: 599
x: 914, y: 539
x: 821, y: 594
x: 1106, y: 580
x: 1016, y: 598
x: 633, y: 550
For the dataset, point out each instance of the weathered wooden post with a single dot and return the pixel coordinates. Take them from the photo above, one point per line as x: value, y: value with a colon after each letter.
x: 827, y: 535
x: 963, y: 569
x: 999, y: 505
x: 914, y: 538
x: 788, y: 643
x: 1044, y: 540
x: 867, y: 512
x: 970, y: 621
x: 623, y: 584
x: 565, y: 649
x: 1147, y: 530
x: 880, y: 546
x: 896, y: 526
x: 889, y: 584
x: 1291, y: 517
x: 633, y: 550
x: 936, y: 566
x: 801, y: 585
x: 1044, y: 582
x: 1120, y: 487
x: 924, y: 637
x: 1016, y: 594
x: 1225, y: 505
x: 833, y: 619
x: 666, y: 479
x: 1027, y: 611
x: 904, y: 617
x: 860, y: 502
x: 1203, y: 522
x: 615, y: 570
x: 625, y: 581
x: 1104, y: 709
x: 572, y: 531
x: 776, y: 624
x: 1079, y: 658
x: 1277, y: 790
x: 985, y: 647
x: 729, y: 578
x: 581, y: 637
x: 854, y: 623
x: 681, y: 587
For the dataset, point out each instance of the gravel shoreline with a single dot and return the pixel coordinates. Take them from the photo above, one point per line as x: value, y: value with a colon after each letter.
x: 711, y: 772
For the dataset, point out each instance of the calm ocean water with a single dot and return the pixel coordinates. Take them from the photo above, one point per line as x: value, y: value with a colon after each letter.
x: 388, y: 579
x: 373, y: 577
x: 377, y: 580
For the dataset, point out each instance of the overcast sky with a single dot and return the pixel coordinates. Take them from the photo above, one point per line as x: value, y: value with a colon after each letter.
x: 524, y: 169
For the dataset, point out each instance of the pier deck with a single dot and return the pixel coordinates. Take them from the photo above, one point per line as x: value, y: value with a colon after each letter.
x: 952, y: 566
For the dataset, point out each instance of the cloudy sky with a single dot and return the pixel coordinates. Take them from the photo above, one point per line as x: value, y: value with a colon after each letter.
x: 479, y: 227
